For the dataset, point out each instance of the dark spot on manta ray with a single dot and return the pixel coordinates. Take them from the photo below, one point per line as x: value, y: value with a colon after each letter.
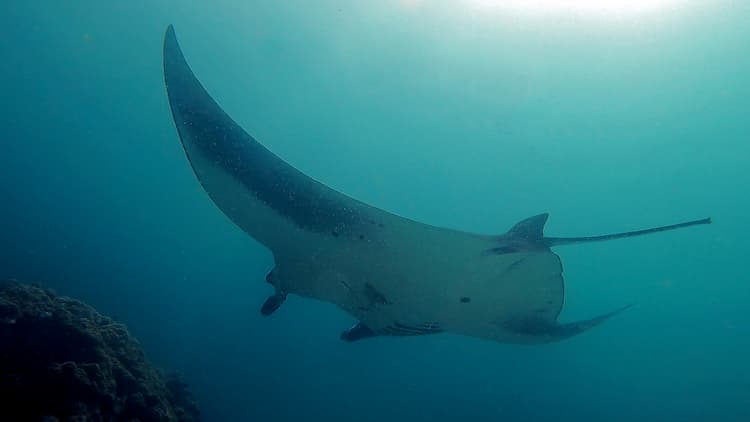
x: 465, y: 299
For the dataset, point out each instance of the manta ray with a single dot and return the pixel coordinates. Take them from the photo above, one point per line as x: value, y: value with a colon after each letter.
x: 396, y: 276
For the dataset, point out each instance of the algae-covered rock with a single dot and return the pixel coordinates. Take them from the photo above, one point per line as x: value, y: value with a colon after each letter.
x: 62, y: 360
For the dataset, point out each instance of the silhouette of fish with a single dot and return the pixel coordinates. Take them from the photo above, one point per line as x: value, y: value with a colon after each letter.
x: 396, y: 276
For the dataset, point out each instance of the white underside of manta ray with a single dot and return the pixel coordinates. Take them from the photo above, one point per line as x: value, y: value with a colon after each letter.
x: 394, y: 275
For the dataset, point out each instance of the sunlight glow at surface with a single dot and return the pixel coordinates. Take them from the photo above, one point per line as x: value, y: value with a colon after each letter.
x: 577, y: 6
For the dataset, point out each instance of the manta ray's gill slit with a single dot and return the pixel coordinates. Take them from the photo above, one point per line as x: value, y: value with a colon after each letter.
x: 398, y: 328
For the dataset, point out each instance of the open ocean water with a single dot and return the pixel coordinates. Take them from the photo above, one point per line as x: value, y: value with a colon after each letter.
x: 466, y: 114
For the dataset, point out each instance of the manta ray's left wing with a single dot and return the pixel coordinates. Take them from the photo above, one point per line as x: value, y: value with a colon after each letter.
x: 220, y: 151
x: 247, y: 181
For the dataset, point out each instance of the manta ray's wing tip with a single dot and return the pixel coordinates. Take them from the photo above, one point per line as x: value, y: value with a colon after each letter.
x: 170, y: 38
x: 563, y: 331
x: 622, y: 309
x: 601, y: 318
x: 170, y: 41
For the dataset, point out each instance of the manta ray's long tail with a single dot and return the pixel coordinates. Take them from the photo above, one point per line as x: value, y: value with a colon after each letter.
x: 556, y: 241
x: 528, y: 234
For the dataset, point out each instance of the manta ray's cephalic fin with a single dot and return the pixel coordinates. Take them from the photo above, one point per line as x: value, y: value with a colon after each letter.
x: 272, y: 303
x: 275, y: 300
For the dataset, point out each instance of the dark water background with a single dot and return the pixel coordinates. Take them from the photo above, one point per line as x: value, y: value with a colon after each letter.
x: 465, y: 117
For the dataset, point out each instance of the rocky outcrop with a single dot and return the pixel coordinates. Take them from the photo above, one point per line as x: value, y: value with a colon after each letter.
x: 62, y: 360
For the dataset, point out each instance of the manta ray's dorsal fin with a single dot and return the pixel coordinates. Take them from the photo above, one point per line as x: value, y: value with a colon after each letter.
x: 531, y: 228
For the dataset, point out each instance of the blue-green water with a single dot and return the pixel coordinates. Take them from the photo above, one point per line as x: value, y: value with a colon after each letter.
x: 464, y: 117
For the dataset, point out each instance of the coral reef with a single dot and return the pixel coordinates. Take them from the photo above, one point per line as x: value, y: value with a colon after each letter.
x: 62, y: 360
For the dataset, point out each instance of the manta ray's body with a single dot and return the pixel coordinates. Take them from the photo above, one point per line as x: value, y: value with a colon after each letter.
x: 396, y: 276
